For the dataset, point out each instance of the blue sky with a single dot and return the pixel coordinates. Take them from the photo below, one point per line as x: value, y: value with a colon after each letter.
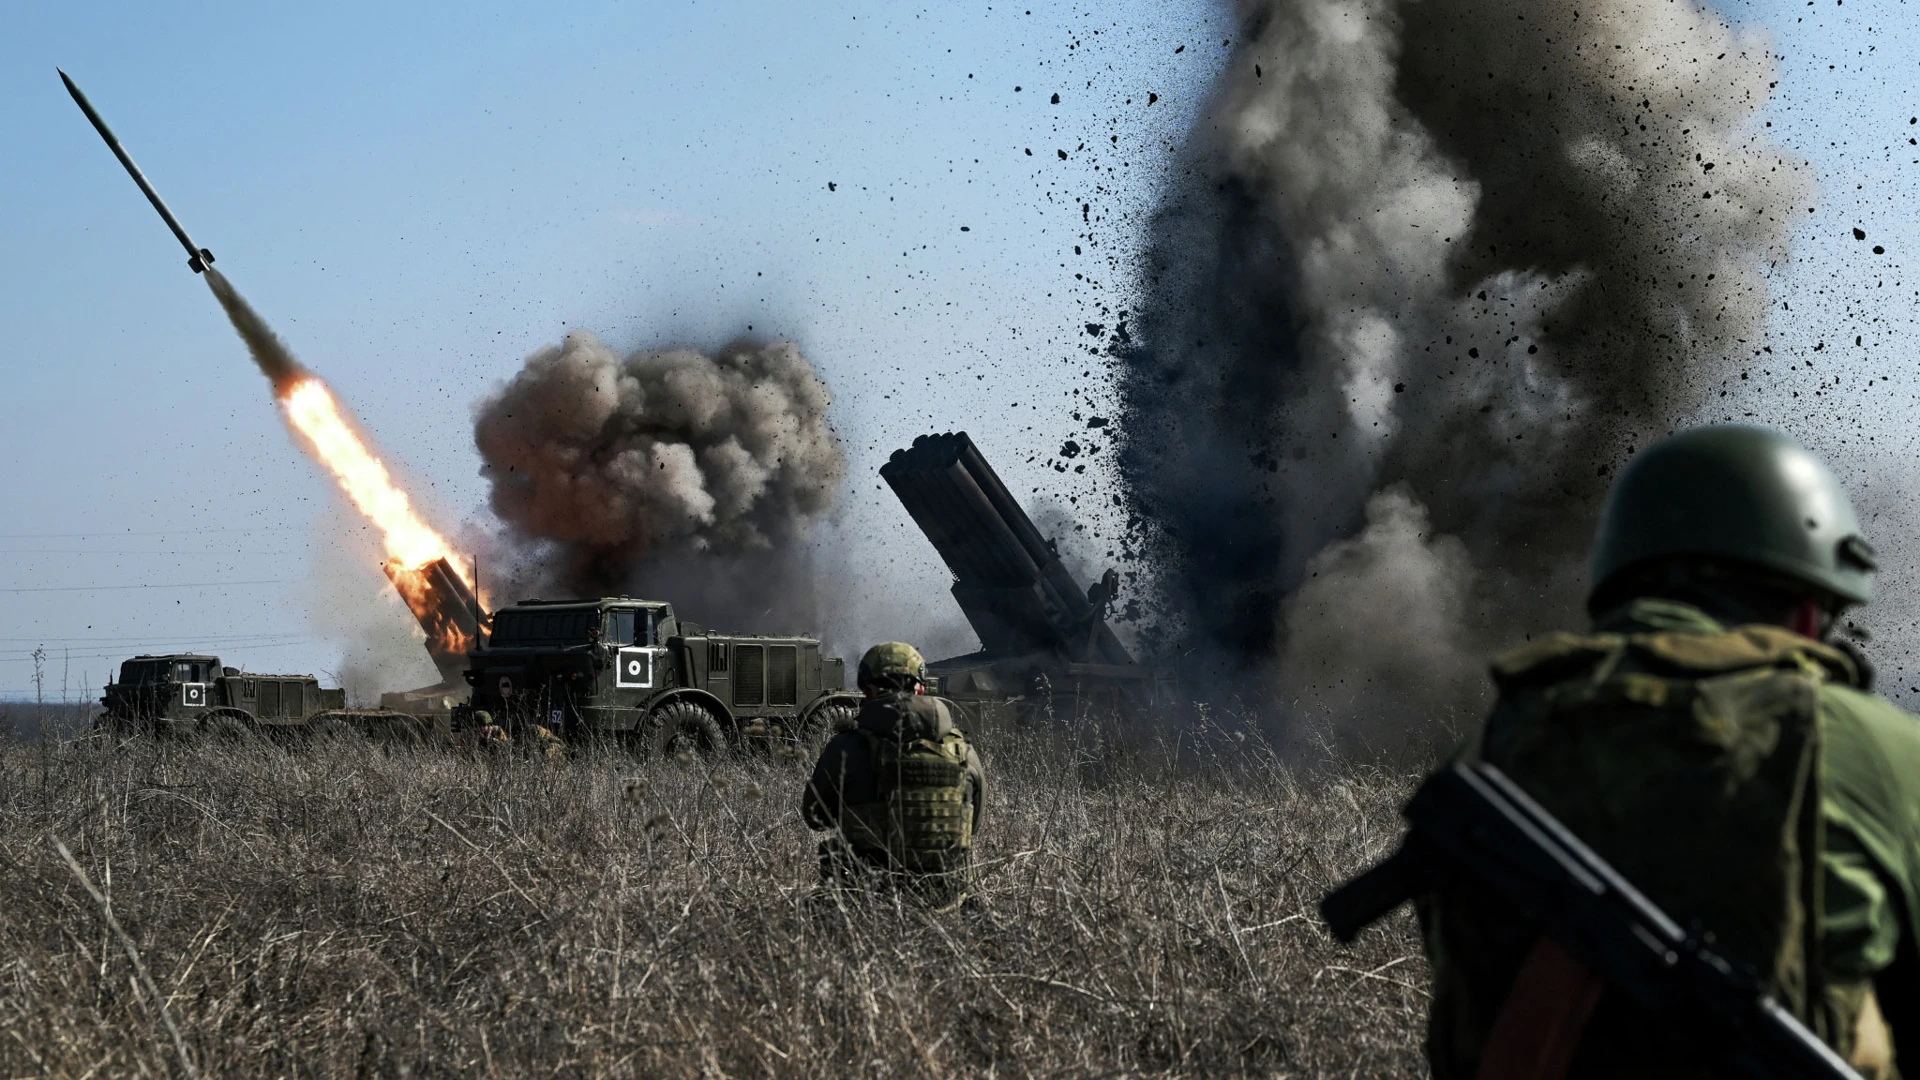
x: 419, y: 196
x: 1842, y: 375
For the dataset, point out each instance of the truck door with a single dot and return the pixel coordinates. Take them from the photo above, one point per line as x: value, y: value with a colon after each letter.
x: 191, y: 675
x: 637, y: 660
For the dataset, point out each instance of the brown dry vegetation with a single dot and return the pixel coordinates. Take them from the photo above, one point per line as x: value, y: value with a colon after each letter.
x: 345, y: 909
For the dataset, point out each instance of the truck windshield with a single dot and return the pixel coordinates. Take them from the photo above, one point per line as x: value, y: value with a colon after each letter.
x: 543, y: 627
x: 625, y: 626
x: 137, y: 672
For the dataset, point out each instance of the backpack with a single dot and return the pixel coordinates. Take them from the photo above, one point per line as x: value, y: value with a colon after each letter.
x: 1690, y: 762
x: 921, y: 816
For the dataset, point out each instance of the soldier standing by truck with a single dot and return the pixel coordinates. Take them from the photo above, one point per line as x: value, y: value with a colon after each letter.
x: 1707, y: 740
x: 903, y: 790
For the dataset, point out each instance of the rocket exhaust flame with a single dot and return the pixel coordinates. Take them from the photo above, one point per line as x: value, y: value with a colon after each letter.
x: 419, y: 560
x: 363, y: 478
x: 416, y: 554
x: 446, y: 609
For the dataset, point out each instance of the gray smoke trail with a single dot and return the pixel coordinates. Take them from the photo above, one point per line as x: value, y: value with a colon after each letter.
x: 1444, y: 264
x: 667, y: 473
x: 275, y: 359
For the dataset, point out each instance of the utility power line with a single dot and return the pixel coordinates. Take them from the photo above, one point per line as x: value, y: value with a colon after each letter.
x: 265, y: 635
x: 126, y: 551
x: 135, y: 532
x: 121, y: 655
x: 116, y: 588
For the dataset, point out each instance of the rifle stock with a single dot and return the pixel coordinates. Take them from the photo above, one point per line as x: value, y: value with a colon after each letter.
x: 1371, y: 896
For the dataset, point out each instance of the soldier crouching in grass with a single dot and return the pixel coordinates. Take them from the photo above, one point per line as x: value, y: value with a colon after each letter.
x: 902, y: 790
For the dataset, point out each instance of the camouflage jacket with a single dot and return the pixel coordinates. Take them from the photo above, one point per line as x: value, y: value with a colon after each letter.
x: 1868, y: 892
x: 844, y: 774
x: 1871, y: 807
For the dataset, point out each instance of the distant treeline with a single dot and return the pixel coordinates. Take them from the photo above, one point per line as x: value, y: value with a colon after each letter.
x: 29, y: 719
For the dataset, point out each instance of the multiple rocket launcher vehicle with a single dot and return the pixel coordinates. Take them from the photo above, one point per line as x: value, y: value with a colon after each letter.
x: 632, y: 669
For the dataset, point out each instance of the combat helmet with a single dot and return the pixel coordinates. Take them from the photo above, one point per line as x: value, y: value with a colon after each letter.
x: 1732, y: 492
x: 891, y: 660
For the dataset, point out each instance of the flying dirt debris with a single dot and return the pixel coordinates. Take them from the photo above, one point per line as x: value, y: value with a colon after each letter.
x: 1045, y: 642
x: 1432, y: 272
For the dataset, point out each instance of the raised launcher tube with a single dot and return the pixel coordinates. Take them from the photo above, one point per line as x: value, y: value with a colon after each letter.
x: 447, y: 610
x: 1036, y: 624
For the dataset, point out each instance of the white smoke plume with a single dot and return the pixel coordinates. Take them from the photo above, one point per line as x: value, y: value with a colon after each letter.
x: 275, y: 360
x: 381, y: 645
x: 1444, y: 262
x: 669, y: 473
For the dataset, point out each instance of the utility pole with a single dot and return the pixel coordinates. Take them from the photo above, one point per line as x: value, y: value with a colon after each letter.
x: 39, y: 687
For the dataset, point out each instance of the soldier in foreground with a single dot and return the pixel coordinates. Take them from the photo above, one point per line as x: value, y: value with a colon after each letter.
x: 1707, y: 741
x: 902, y: 790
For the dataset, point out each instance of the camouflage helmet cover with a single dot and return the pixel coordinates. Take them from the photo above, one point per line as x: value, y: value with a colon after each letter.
x: 1746, y: 494
x: 891, y: 658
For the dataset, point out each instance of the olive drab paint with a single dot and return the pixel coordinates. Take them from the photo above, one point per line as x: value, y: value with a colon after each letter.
x: 182, y: 693
x: 633, y: 670
x: 1655, y: 748
x: 1736, y: 492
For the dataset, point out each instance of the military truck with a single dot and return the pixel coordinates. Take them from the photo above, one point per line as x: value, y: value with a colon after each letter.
x: 187, y: 694
x: 632, y: 671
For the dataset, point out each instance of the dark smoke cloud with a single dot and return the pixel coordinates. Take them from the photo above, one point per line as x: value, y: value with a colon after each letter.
x: 1441, y: 266
x: 672, y: 473
x: 275, y: 359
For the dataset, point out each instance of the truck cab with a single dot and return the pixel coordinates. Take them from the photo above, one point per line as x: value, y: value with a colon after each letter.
x: 631, y: 670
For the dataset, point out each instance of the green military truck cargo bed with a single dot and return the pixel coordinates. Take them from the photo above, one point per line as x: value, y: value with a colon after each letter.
x: 189, y: 694
x: 631, y: 670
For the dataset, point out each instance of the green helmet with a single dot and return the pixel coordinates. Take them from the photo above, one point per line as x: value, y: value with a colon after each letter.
x: 1746, y: 494
x: 892, y: 659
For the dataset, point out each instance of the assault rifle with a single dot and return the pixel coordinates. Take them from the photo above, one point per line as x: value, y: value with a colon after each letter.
x: 1470, y: 821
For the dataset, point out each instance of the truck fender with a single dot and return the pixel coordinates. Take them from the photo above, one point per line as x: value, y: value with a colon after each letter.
x: 226, y: 722
x: 706, y: 700
x: 831, y: 697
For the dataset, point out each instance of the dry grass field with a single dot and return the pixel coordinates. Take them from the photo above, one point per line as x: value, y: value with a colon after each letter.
x: 344, y: 909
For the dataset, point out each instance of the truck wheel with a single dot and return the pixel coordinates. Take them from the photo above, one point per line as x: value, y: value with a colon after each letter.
x: 680, y: 727
x: 822, y: 724
x: 226, y: 727
x: 328, y: 728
